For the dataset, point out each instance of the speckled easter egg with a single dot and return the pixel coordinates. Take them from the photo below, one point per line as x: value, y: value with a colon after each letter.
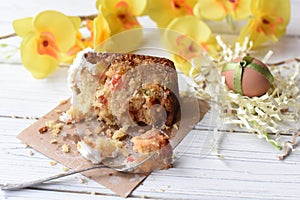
x: 247, y: 76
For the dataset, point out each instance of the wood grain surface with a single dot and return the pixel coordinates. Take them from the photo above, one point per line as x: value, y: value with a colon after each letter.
x: 240, y: 166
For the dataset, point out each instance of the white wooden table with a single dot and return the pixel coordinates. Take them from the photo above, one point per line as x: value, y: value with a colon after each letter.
x: 249, y: 169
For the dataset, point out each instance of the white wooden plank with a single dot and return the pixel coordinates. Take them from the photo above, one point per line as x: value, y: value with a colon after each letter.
x: 22, y: 95
x: 249, y: 169
x: 57, y: 195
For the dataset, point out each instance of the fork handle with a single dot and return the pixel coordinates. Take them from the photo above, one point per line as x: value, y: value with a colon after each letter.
x: 18, y: 186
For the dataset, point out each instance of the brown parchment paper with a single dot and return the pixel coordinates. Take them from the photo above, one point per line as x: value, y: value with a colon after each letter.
x: 120, y: 183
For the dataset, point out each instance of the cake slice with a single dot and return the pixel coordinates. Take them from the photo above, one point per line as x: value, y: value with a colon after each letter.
x: 124, y: 89
x: 124, y: 92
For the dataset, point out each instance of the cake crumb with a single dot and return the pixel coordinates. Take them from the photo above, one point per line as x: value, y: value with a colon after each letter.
x: 98, y: 130
x: 63, y: 102
x: 50, y: 123
x: 65, y: 169
x: 83, y: 180
x: 43, y: 129
x: 119, y: 134
x: 27, y: 145
x: 53, y: 141
x: 175, y: 126
x: 57, y: 128
x: 108, y: 132
x: 58, y: 111
x: 66, y: 148
x: 55, y: 132
x: 68, y: 116
x: 31, y: 153
x: 54, y: 127
x: 142, y: 130
x: 52, y: 163
x: 93, y: 193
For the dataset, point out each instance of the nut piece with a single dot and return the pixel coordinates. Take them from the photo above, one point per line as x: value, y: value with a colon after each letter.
x: 43, y: 129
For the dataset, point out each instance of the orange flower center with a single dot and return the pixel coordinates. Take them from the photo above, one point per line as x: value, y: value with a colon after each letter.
x: 231, y: 8
x: 187, y: 48
x: 235, y: 4
x: 182, y: 5
x: 47, y: 45
x: 126, y: 18
x: 267, y: 25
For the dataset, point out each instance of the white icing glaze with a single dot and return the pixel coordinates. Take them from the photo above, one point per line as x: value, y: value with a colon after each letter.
x: 66, y: 118
x: 89, y: 153
x: 81, y: 81
x: 79, y: 63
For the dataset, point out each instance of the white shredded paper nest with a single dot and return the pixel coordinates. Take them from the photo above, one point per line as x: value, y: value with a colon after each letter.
x: 269, y: 116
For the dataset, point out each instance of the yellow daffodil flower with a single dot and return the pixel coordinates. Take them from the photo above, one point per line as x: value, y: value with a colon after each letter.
x: 188, y: 38
x: 269, y: 21
x: 164, y: 11
x: 121, y: 14
x: 45, y: 38
x: 220, y: 9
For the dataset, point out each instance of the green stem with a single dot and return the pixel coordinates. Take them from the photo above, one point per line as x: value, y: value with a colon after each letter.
x: 272, y: 142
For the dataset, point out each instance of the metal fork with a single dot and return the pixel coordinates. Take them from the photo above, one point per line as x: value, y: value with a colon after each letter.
x: 106, y: 163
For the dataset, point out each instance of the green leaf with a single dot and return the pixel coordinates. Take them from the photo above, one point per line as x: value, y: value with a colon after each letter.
x: 3, y: 45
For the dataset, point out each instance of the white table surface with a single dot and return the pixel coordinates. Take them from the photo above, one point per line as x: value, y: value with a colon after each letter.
x: 249, y: 168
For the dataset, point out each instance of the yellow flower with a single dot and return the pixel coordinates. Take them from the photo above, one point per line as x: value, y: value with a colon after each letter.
x: 164, y: 11
x: 80, y: 44
x: 189, y: 39
x: 101, y: 30
x: 269, y: 21
x: 220, y: 9
x: 45, y: 38
x: 121, y: 14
